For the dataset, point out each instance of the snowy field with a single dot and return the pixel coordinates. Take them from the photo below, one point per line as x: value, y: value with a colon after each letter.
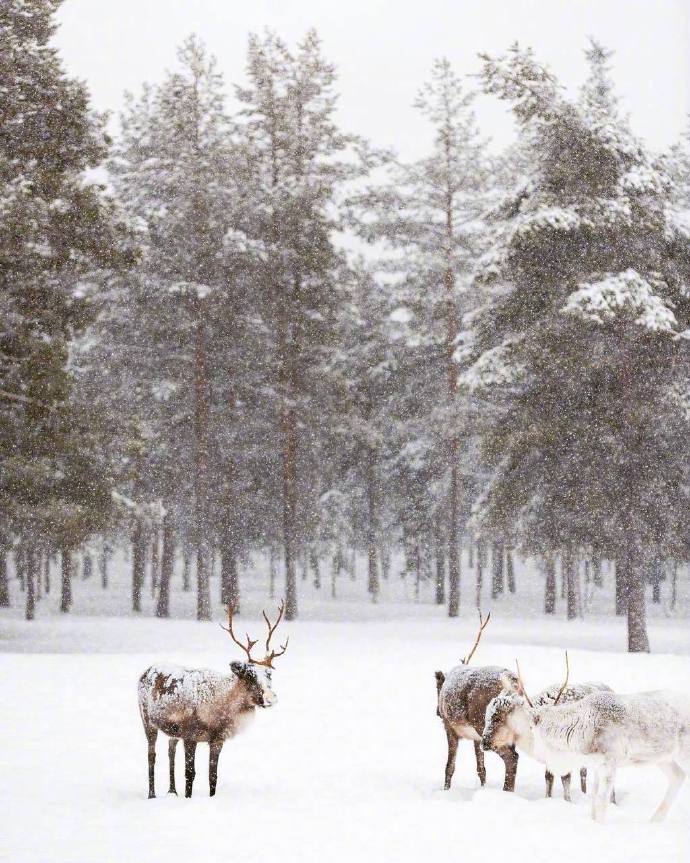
x: 347, y: 766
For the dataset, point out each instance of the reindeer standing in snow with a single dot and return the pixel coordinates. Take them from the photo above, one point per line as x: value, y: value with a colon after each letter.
x: 463, y: 696
x: 561, y: 695
x: 602, y: 730
x: 200, y: 705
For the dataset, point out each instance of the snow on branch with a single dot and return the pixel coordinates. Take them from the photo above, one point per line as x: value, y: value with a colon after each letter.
x: 497, y: 367
x: 626, y: 295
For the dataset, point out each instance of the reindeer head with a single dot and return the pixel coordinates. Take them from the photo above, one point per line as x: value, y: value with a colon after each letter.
x: 255, y: 674
x: 511, y: 715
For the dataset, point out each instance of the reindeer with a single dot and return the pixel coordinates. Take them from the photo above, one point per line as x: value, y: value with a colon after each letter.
x: 602, y: 730
x: 463, y: 696
x: 554, y: 695
x: 198, y: 705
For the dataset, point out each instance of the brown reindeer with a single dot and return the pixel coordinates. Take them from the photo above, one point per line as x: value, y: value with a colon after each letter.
x: 197, y: 705
x: 463, y: 696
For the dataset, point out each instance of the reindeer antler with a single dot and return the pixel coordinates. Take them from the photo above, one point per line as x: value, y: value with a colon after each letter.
x: 482, y: 626
x: 267, y: 661
x: 248, y: 647
x: 522, y: 685
x: 565, y: 682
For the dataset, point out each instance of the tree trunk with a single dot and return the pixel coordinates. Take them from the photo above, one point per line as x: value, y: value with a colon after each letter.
x: 155, y: 560
x: 4, y: 583
x: 440, y: 575
x: 20, y: 566
x: 621, y: 588
x: 66, y: 578
x: 86, y: 567
x: 272, y: 566
x: 385, y: 560
x: 203, y: 583
x: 138, y: 564
x: 549, y: 585
x: 103, y: 561
x: 479, y: 574
x: 569, y: 569
x: 46, y: 573
x: 167, y: 567
x: 638, y: 640
x: 510, y: 570
x: 596, y: 571
x: 32, y: 575
x: 186, y: 569
x: 373, y: 585
x: 497, y: 569
x: 315, y: 566
x: 230, y: 585
x: 453, y: 556
x: 674, y: 585
x: 336, y: 568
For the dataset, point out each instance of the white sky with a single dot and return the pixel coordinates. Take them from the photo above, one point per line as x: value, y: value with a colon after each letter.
x: 383, y: 51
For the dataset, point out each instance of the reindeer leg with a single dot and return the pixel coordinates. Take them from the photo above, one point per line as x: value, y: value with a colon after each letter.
x: 479, y: 757
x: 452, y: 752
x: 214, y: 753
x: 189, y: 752
x: 172, y: 746
x: 583, y: 780
x: 548, y: 776
x: 566, y: 787
x: 510, y: 759
x: 676, y: 776
x: 151, y: 736
x: 602, y: 795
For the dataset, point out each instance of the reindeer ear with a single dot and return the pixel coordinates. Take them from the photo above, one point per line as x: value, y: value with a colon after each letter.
x: 509, y: 683
x: 239, y: 669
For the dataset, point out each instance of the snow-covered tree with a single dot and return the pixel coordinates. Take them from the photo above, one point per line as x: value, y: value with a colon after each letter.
x: 60, y: 243
x: 583, y: 343
x: 428, y: 213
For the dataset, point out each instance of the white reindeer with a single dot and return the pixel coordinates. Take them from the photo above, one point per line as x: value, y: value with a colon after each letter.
x: 604, y: 731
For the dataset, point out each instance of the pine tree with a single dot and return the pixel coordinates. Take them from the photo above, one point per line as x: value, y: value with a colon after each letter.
x: 297, y: 164
x: 582, y: 344
x: 61, y: 242
x: 429, y: 211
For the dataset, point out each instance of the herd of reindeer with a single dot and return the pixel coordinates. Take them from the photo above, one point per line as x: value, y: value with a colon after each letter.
x: 568, y: 727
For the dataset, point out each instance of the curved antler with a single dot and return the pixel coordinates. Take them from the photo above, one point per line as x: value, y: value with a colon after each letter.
x: 482, y: 627
x: 522, y: 685
x: 267, y: 661
x: 565, y: 682
x: 246, y: 648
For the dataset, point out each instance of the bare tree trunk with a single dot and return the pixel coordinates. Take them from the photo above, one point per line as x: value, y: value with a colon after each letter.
x: 186, y: 569
x: 32, y: 571
x: 20, y: 566
x: 674, y: 584
x: 86, y: 566
x: 569, y: 568
x: 167, y: 566
x: 315, y: 566
x: 229, y: 577
x: 66, y: 578
x: 203, y: 586
x: 155, y: 560
x: 633, y: 567
x: 46, y: 573
x: 417, y: 569
x: 479, y: 574
x: 336, y: 569
x: 440, y: 575
x: 272, y: 572
x: 373, y: 584
x: 385, y: 560
x: 4, y: 583
x: 510, y: 570
x: 103, y: 562
x: 621, y: 588
x: 596, y: 571
x: 549, y: 585
x: 453, y: 556
x: 138, y: 564
x: 497, y: 569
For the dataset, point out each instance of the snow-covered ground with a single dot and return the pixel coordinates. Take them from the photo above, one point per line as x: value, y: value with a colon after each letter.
x: 347, y: 766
